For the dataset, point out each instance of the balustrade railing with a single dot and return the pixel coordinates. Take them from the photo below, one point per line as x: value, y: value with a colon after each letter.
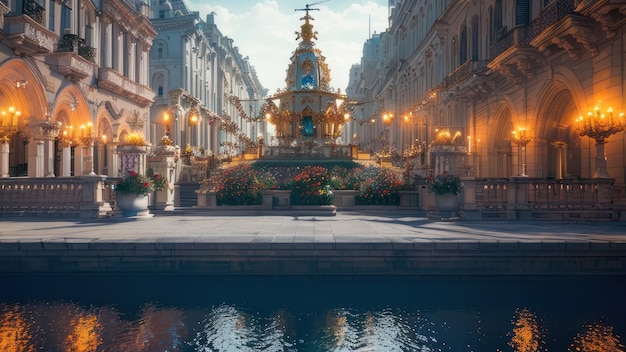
x: 541, y: 194
x: 87, y: 196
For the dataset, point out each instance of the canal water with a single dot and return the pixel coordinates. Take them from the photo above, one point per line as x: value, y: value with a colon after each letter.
x: 124, y: 313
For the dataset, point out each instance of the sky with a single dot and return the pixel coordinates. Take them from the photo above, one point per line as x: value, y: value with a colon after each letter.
x: 264, y: 31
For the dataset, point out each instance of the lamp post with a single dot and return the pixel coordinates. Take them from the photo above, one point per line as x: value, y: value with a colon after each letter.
x: 194, y: 120
x: 166, y: 124
x: 521, y: 139
x: 599, y: 126
x: 387, y: 119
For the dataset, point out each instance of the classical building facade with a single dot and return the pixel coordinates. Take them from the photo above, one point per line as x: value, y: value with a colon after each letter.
x: 196, y: 72
x: 497, y: 88
x: 73, y: 83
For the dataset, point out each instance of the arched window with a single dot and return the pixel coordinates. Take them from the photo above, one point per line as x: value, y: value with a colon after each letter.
x: 475, y: 36
x: 463, y: 45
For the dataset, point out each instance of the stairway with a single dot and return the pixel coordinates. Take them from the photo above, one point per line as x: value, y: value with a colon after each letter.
x: 185, y: 195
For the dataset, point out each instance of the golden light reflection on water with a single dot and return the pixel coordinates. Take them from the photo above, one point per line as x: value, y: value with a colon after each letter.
x: 69, y: 327
x: 527, y: 335
x: 597, y: 338
x: 85, y: 334
x: 15, y: 330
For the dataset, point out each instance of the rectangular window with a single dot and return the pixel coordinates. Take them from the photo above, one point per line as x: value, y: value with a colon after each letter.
x: 66, y: 15
x: 160, y: 91
x: 51, y: 5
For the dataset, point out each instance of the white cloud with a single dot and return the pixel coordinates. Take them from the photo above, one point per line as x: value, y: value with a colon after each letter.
x: 264, y: 31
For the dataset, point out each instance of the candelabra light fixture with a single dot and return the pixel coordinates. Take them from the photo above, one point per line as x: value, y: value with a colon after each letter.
x: 521, y: 139
x: 86, y: 134
x: 8, y: 123
x: 600, y: 125
x: 67, y: 137
x: 50, y: 128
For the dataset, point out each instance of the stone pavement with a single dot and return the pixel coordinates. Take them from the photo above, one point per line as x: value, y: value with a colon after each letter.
x: 354, y: 243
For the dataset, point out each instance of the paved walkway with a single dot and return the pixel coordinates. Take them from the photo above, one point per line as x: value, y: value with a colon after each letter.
x: 350, y: 243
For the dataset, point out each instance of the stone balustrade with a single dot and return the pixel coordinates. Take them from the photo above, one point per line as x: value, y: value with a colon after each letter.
x: 525, y: 198
x: 83, y: 197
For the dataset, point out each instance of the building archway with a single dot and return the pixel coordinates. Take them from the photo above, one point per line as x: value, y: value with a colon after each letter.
x: 560, y: 143
x: 500, y: 156
x: 77, y: 132
x: 23, y: 100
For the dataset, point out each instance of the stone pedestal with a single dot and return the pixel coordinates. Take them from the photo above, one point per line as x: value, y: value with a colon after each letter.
x: 344, y: 198
x: 132, y: 158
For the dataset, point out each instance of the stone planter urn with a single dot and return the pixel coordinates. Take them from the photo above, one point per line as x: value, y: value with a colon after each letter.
x: 133, y: 205
x: 447, y: 204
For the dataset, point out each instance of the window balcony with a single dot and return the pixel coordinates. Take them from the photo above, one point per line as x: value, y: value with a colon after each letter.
x: 73, y: 59
x: 71, y: 65
x: 559, y: 27
x: 514, y: 57
x: 111, y: 80
x: 28, y: 36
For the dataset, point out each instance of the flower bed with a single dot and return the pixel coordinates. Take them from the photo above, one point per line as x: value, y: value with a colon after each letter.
x: 309, y: 184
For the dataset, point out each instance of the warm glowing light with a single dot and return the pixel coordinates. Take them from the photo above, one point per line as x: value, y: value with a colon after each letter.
x: 526, y: 335
x: 85, y: 335
x: 387, y: 118
x: 599, y: 126
x: 520, y: 137
x: 597, y: 338
x: 15, y: 331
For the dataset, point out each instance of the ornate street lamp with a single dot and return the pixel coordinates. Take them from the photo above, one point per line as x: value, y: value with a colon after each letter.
x: 599, y: 126
x: 8, y: 127
x: 521, y: 139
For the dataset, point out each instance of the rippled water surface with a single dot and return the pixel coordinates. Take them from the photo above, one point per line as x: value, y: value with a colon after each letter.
x: 203, y: 313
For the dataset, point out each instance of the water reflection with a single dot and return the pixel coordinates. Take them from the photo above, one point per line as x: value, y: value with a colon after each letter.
x: 384, y: 330
x: 15, y: 330
x: 597, y: 337
x: 527, y: 335
x: 304, y: 321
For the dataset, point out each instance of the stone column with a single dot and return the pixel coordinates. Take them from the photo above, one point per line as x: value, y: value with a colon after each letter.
x: 40, y: 159
x: 66, y: 161
x: 114, y: 164
x: 4, y: 159
x: 79, y: 160
x: 107, y: 41
x: 50, y: 157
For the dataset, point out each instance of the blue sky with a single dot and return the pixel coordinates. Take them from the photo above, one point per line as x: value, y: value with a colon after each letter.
x: 264, y: 31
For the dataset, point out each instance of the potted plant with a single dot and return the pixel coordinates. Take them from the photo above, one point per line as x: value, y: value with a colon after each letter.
x: 445, y: 183
x: 446, y: 188
x: 132, y: 191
